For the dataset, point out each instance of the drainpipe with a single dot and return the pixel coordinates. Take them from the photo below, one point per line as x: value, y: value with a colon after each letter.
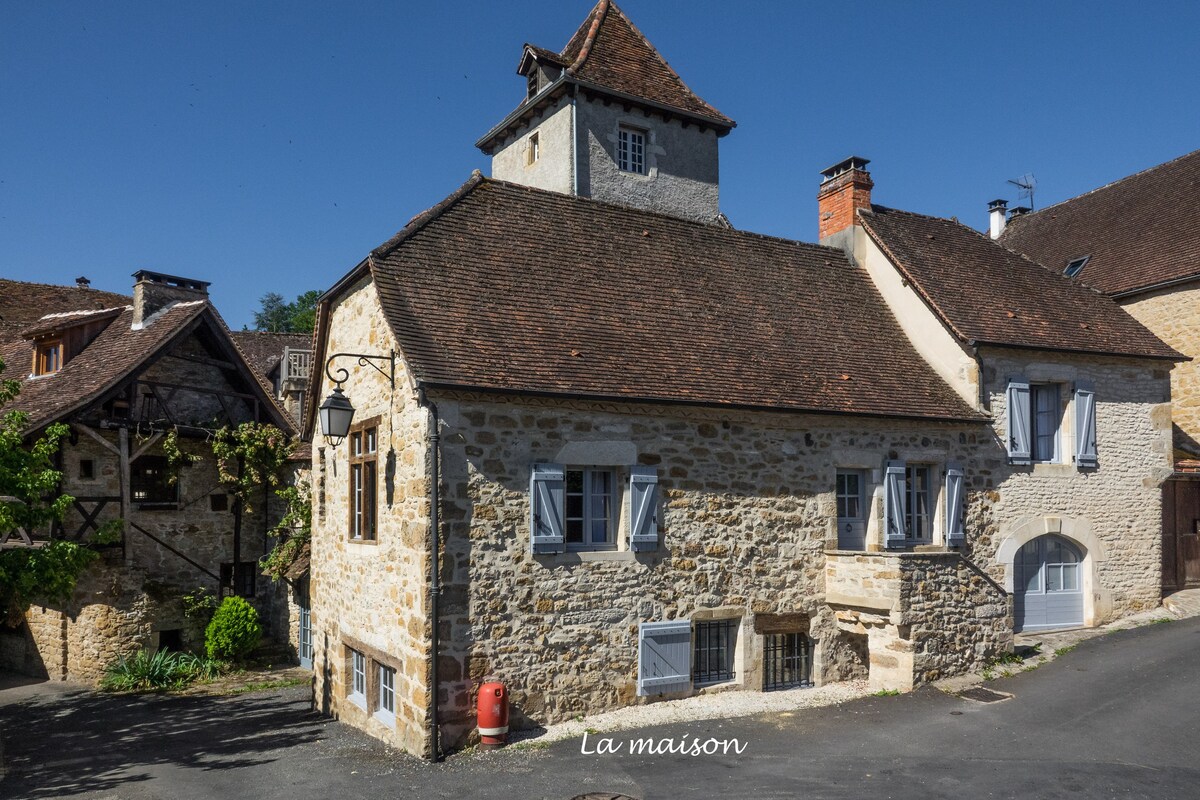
x: 435, y: 586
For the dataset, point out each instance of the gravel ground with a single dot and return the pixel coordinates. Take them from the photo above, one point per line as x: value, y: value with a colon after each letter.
x: 723, y: 705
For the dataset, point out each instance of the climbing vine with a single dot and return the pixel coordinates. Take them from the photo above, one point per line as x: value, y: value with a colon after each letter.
x: 176, y: 458
x: 294, y: 532
x: 251, y: 456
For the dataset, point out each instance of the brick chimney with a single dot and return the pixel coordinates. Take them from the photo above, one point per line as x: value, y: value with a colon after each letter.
x: 845, y: 188
x: 154, y: 291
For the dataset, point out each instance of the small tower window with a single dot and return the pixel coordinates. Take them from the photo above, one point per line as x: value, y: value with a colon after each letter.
x: 1075, y: 266
x: 47, y: 357
x: 533, y: 150
x: 531, y: 83
x: 631, y: 150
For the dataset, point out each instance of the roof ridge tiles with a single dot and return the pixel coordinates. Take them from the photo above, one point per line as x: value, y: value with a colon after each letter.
x: 1109, y: 185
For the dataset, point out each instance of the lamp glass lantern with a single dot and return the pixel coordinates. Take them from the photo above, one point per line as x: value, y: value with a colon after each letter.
x: 336, y: 414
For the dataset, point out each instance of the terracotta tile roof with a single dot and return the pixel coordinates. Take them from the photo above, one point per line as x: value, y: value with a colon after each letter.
x: 22, y: 304
x: 609, y: 51
x: 69, y: 319
x: 547, y: 55
x: 506, y: 288
x: 1140, y: 231
x: 264, y: 350
x: 109, y: 359
x: 989, y: 294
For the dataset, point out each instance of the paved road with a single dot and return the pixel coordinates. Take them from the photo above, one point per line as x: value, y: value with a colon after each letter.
x: 1118, y: 717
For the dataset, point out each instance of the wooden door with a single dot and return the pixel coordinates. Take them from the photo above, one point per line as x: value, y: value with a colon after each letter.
x: 1181, y: 533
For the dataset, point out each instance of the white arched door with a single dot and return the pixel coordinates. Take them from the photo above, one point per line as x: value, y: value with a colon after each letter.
x: 1047, y: 583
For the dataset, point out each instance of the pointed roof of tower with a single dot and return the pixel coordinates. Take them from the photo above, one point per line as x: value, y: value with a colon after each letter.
x: 608, y: 55
x: 609, y: 51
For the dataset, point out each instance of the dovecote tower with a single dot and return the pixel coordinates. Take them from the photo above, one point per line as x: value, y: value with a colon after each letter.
x: 607, y: 118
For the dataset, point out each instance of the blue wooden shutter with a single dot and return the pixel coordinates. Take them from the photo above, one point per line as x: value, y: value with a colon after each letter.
x: 955, y: 527
x: 1085, y: 425
x: 664, y: 657
x: 895, y: 529
x: 546, y: 489
x: 1020, y: 426
x: 643, y: 509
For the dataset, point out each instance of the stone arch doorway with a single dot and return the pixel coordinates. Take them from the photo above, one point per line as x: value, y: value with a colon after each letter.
x: 1048, y: 584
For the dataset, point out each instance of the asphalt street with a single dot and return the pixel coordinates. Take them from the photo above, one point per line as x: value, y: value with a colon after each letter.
x: 1117, y: 717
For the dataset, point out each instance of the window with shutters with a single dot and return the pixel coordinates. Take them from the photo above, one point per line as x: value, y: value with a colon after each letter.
x: 1046, y: 420
x: 631, y: 150
x: 364, y: 478
x: 918, y: 508
x: 589, y: 521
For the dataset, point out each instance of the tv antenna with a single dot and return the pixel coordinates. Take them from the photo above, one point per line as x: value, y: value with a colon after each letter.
x: 1026, y: 185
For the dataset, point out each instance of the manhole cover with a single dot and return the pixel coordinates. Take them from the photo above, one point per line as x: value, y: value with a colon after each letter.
x: 602, y: 796
x: 982, y: 695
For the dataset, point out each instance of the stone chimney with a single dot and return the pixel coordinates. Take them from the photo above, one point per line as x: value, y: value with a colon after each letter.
x: 845, y: 188
x: 82, y: 282
x: 154, y: 291
x: 997, y: 209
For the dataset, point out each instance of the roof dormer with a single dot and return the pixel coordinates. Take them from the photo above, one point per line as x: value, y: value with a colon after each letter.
x: 57, y: 338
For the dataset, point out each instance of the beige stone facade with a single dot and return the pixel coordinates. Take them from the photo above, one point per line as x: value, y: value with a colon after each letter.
x: 1171, y: 314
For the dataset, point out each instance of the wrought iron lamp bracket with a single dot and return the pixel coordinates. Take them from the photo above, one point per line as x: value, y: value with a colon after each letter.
x: 364, y: 360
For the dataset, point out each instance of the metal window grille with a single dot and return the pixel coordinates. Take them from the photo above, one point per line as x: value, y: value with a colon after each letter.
x: 714, y: 643
x: 787, y: 661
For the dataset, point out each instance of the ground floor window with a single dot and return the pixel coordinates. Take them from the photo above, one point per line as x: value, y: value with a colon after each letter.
x: 919, y: 503
x: 787, y: 661
x: 358, y: 677
x: 714, y: 643
x: 386, y: 705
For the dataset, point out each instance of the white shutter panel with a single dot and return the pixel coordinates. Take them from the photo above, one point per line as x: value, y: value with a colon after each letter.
x: 664, y: 657
x: 643, y: 509
x: 1085, y: 425
x: 546, y: 490
x: 955, y: 527
x: 1020, y: 422
x: 894, y: 491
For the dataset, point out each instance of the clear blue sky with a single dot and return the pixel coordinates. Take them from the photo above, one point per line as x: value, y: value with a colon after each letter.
x: 268, y: 147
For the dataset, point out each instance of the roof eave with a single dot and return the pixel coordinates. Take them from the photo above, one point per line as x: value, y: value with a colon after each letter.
x: 1177, y: 357
x: 444, y: 386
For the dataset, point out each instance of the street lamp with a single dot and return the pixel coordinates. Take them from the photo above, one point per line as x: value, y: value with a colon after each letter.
x: 336, y: 412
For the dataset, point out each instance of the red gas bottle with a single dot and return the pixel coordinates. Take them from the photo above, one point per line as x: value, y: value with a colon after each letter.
x: 493, y: 715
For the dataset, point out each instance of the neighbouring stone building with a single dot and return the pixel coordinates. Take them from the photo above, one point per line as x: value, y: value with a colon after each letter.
x: 662, y: 456
x: 1137, y: 240
x: 122, y: 372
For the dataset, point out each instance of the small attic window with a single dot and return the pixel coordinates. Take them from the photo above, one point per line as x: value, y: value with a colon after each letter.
x: 1075, y: 266
x: 531, y: 82
x: 47, y: 357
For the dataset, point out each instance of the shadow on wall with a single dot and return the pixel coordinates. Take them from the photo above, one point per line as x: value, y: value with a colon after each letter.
x: 19, y: 652
x: 81, y: 742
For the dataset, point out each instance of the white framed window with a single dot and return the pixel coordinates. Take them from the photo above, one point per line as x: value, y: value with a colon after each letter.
x: 631, y: 150
x: 385, y: 704
x: 918, y: 511
x: 358, y: 678
x: 1046, y: 421
x: 532, y: 149
x: 589, y: 521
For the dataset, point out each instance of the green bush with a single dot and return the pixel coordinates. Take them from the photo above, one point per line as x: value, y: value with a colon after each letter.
x: 234, y: 630
x: 165, y: 669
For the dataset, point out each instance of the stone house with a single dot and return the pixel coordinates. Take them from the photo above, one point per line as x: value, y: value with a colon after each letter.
x: 1137, y: 240
x: 609, y: 449
x: 122, y: 372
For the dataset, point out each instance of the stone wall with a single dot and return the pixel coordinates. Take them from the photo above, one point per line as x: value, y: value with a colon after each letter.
x: 1114, y: 511
x: 1171, y: 314
x: 747, y: 511
x: 682, y: 166
x: 373, y: 597
x: 555, y: 168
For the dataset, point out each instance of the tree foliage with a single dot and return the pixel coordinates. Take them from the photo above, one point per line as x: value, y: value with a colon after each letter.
x: 233, y: 631
x: 30, y: 481
x: 251, y: 456
x: 278, y: 316
x: 294, y: 532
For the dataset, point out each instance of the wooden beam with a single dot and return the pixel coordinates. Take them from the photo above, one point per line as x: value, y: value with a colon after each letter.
x: 126, y: 500
x: 212, y: 362
x: 105, y: 442
x: 141, y: 451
